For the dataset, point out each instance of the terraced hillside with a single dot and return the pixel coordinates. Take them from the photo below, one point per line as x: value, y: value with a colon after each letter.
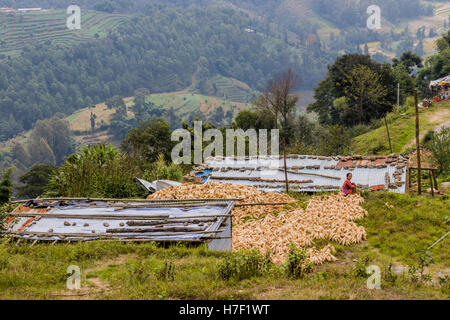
x: 230, y: 89
x: 30, y: 28
x: 185, y: 104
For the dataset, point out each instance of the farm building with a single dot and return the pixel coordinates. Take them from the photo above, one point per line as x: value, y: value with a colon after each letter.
x: 308, y: 173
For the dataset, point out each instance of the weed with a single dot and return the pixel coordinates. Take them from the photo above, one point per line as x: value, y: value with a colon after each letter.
x: 137, y: 272
x: 320, y: 276
x: 412, y: 273
x: 166, y: 272
x: 244, y: 265
x: 4, y: 263
x: 389, y: 275
x: 444, y: 281
x: 425, y: 260
x: 297, y: 264
x: 360, y: 268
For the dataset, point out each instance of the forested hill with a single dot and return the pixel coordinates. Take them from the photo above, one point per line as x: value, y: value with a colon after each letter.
x: 159, y: 50
x: 161, y: 44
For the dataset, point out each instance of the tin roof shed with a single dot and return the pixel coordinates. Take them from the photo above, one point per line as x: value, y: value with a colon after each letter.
x: 307, y: 173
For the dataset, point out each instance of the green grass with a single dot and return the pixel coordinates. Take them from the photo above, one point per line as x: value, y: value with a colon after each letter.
x: 401, y: 129
x: 113, y: 270
x: 411, y: 225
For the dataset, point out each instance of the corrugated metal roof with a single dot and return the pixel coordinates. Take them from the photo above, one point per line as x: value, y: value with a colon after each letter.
x: 309, y: 173
x: 90, y: 220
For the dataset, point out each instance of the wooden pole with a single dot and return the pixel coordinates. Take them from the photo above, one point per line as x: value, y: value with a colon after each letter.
x: 389, y: 136
x: 408, y: 180
x: 419, y: 172
x: 285, y: 166
x: 434, y: 179
x: 431, y: 182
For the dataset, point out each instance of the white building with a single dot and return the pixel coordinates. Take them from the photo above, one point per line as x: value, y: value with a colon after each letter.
x: 29, y: 9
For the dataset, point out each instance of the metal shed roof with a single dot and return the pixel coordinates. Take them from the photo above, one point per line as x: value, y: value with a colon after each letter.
x: 137, y: 221
x: 309, y: 173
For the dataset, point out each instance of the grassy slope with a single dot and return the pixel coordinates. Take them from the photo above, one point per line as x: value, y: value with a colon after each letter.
x: 37, y: 27
x: 132, y: 271
x: 402, y: 131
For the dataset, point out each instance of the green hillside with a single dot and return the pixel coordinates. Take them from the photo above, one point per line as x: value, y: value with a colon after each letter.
x: 402, y: 130
x: 31, y: 28
x: 183, y: 103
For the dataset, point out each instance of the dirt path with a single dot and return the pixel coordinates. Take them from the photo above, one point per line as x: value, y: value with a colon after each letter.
x: 92, y: 288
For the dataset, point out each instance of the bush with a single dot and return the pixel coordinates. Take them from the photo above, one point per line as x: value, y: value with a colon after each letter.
x: 297, y: 264
x: 244, y: 265
x: 360, y: 268
x: 98, y: 171
x: 162, y: 171
x: 439, y: 145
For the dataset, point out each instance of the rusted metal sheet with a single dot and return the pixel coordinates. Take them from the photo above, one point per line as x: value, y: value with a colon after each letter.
x: 309, y: 173
x: 137, y: 221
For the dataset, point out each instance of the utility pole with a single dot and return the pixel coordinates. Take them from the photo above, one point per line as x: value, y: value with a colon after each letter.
x: 419, y: 172
x: 398, y: 94
x: 389, y: 136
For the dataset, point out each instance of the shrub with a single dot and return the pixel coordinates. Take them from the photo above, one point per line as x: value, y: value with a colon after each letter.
x: 360, y: 268
x: 439, y: 145
x: 160, y: 170
x: 244, y: 265
x: 297, y: 264
x: 98, y: 171
x: 389, y: 275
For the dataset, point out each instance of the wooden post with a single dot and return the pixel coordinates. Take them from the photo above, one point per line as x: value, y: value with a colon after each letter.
x: 389, y: 136
x: 285, y: 166
x: 434, y: 179
x: 419, y: 172
x: 408, y: 178
x: 431, y: 182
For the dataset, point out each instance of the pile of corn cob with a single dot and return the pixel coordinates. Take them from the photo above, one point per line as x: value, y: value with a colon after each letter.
x: 273, y: 227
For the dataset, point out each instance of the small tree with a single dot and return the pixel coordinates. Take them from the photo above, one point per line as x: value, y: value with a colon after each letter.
x: 117, y: 104
x: 439, y: 145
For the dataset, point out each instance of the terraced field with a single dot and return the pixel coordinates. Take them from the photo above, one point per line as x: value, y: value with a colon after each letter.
x: 21, y: 29
x: 231, y: 89
x: 185, y: 104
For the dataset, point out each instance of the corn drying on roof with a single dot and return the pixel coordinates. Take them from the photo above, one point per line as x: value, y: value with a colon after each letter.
x: 308, y: 173
x: 271, y: 228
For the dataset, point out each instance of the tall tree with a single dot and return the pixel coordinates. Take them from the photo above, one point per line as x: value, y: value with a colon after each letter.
x: 151, y: 138
x: 409, y: 60
x: 363, y: 91
x: 6, y: 186
x: 35, y: 181
x: 338, y: 84
x: 279, y: 101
